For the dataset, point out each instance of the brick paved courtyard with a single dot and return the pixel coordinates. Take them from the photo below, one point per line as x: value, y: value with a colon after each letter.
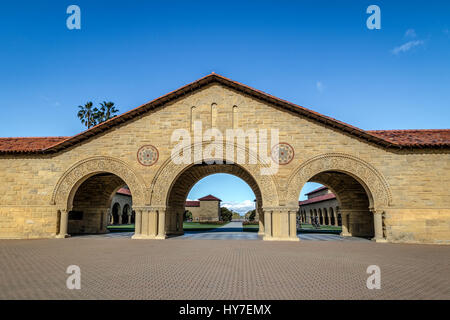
x: 121, y: 268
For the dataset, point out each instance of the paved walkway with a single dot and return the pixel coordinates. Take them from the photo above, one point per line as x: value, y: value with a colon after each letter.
x: 120, y: 268
x: 230, y: 231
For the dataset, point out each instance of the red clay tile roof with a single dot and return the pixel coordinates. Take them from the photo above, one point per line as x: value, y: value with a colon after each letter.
x: 209, y: 197
x: 316, y: 190
x: 324, y: 197
x: 30, y: 144
x: 386, y: 138
x: 124, y: 191
x: 426, y: 137
x: 192, y: 203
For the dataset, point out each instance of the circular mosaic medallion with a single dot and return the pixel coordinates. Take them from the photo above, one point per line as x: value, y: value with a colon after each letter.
x: 282, y: 153
x: 147, y: 155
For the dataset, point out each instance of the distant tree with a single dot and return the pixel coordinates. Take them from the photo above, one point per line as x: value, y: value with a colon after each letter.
x: 91, y: 116
x: 251, y: 215
x: 106, y: 111
x: 225, y: 214
x: 236, y: 215
x: 187, y: 215
x: 88, y: 115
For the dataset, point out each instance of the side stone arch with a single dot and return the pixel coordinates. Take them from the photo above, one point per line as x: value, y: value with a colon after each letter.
x: 371, y: 179
x: 79, y: 172
x: 169, y: 172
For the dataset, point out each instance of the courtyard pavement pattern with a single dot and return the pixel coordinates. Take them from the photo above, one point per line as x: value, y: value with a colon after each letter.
x: 231, y: 231
x: 186, y: 268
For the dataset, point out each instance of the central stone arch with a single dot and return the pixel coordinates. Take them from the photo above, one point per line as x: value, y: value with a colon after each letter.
x: 169, y: 172
x: 157, y: 219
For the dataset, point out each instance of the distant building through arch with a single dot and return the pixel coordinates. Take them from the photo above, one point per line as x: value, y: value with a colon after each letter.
x: 322, y: 201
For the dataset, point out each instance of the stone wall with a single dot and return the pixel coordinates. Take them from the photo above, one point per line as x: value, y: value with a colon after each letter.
x: 207, y: 211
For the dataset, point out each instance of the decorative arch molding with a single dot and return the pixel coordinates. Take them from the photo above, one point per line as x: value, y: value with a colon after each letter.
x: 79, y: 172
x: 371, y: 179
x: 169, y: 172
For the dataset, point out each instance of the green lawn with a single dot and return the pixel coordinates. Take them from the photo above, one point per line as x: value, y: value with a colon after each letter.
x: 192, y: 226
x: 121, y: 228
x: 250, y: 228
x: 308, y: 226
x: 304, y: 226
x: 202, y: 226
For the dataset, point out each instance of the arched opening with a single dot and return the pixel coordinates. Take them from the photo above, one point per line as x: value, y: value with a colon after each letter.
x: 126, y: 214
x: 191, y: 199
x: 339, y: 216
x: 339, y: 200
x: 93, y: 206
x: 332, y: 217
x: 115, y: 213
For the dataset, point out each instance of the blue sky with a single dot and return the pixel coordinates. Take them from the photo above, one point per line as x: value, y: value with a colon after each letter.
x: 318, y: 54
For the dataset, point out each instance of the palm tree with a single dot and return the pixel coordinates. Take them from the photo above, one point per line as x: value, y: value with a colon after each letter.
x: 88, y: 115
x: 107, y: 111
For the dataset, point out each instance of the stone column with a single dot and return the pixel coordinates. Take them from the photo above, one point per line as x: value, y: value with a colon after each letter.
x: 103, y: 221
x: 171, y: 221
x: 328, y: 217
x: 267, y: 224
x: 179, y: 221
x: 152, y: 223
x: 283, y: 224
x: 120, y: 217
x: 161, y: 224
x: 378, y: 226
x: 346, y: 230
x: 137, y: 224
x: 293, y: 224
x: 144, y: 223
x: 261, y: 231
x: 336, y: 223
x: 63, y: 224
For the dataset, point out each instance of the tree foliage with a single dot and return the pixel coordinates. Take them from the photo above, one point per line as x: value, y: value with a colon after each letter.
x: 187, y: 215
x: 236, y: 215
x: 250, y: 215
x: 91, y: 116
x: 87, y: 114
x: 225, y: 214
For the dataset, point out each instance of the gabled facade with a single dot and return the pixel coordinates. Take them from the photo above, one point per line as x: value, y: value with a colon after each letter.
x: 388, y: 183
x: 206, y: 208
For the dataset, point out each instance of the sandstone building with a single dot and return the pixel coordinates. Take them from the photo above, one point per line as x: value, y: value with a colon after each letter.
x: 204, y: 209
x: 388, y: 183
x: 121, y: 207
x: 320, y: 203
